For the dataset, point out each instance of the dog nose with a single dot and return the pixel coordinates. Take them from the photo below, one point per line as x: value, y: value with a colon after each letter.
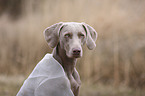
x: 76, y: 51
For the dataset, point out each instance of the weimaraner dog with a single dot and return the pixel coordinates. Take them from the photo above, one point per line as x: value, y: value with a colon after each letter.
x: 55, y: 74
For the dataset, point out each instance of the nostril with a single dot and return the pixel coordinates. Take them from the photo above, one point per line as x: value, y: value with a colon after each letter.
x: 76, y: 51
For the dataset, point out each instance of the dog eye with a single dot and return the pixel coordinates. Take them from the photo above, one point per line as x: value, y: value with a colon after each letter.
x: 67, y: 35
x: 81, y: 35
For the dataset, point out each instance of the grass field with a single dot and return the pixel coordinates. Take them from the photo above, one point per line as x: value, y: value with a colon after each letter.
x: 10, y: 85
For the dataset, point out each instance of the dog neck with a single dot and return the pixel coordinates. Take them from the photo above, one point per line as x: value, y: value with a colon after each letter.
x: 67, y: 63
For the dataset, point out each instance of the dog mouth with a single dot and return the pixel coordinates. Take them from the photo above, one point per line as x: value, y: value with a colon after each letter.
x: 76, y: 55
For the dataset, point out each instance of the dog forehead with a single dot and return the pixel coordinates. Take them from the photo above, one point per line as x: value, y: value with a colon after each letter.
x: 73, y: 27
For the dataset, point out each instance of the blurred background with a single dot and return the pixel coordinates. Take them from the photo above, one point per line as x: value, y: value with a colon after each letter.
x: 116, y: 67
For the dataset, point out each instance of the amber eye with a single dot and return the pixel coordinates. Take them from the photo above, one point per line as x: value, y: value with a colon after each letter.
x: 81, y: 35
x: 67, y: 35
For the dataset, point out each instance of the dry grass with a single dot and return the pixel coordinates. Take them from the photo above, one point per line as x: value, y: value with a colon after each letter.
x: 10, y: 85
x: 108, y: 90
x: 120, y: 54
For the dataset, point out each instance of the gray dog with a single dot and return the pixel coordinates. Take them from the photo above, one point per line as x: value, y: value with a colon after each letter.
x: 55, y: 74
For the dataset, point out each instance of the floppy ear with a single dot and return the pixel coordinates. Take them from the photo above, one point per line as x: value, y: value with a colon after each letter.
x: 51, y: 34
x: 91, y: 36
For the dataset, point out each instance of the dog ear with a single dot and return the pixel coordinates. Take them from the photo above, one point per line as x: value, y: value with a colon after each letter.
x: 51, y: 34
x: 91, y: 36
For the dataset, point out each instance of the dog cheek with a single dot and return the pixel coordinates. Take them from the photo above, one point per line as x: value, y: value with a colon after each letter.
x: 83, y: 41
x: 63, y: 44
x: 67, y: 49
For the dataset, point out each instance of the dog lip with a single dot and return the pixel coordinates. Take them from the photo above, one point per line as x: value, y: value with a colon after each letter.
x: 76, y: 55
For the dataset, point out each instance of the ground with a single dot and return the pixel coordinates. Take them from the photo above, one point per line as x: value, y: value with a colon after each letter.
x: 9, y: 86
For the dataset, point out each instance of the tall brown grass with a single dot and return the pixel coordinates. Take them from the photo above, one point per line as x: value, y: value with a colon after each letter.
x: 119, y: 57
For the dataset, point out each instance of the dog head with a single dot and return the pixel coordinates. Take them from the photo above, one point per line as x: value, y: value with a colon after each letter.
x: 71, y: 36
